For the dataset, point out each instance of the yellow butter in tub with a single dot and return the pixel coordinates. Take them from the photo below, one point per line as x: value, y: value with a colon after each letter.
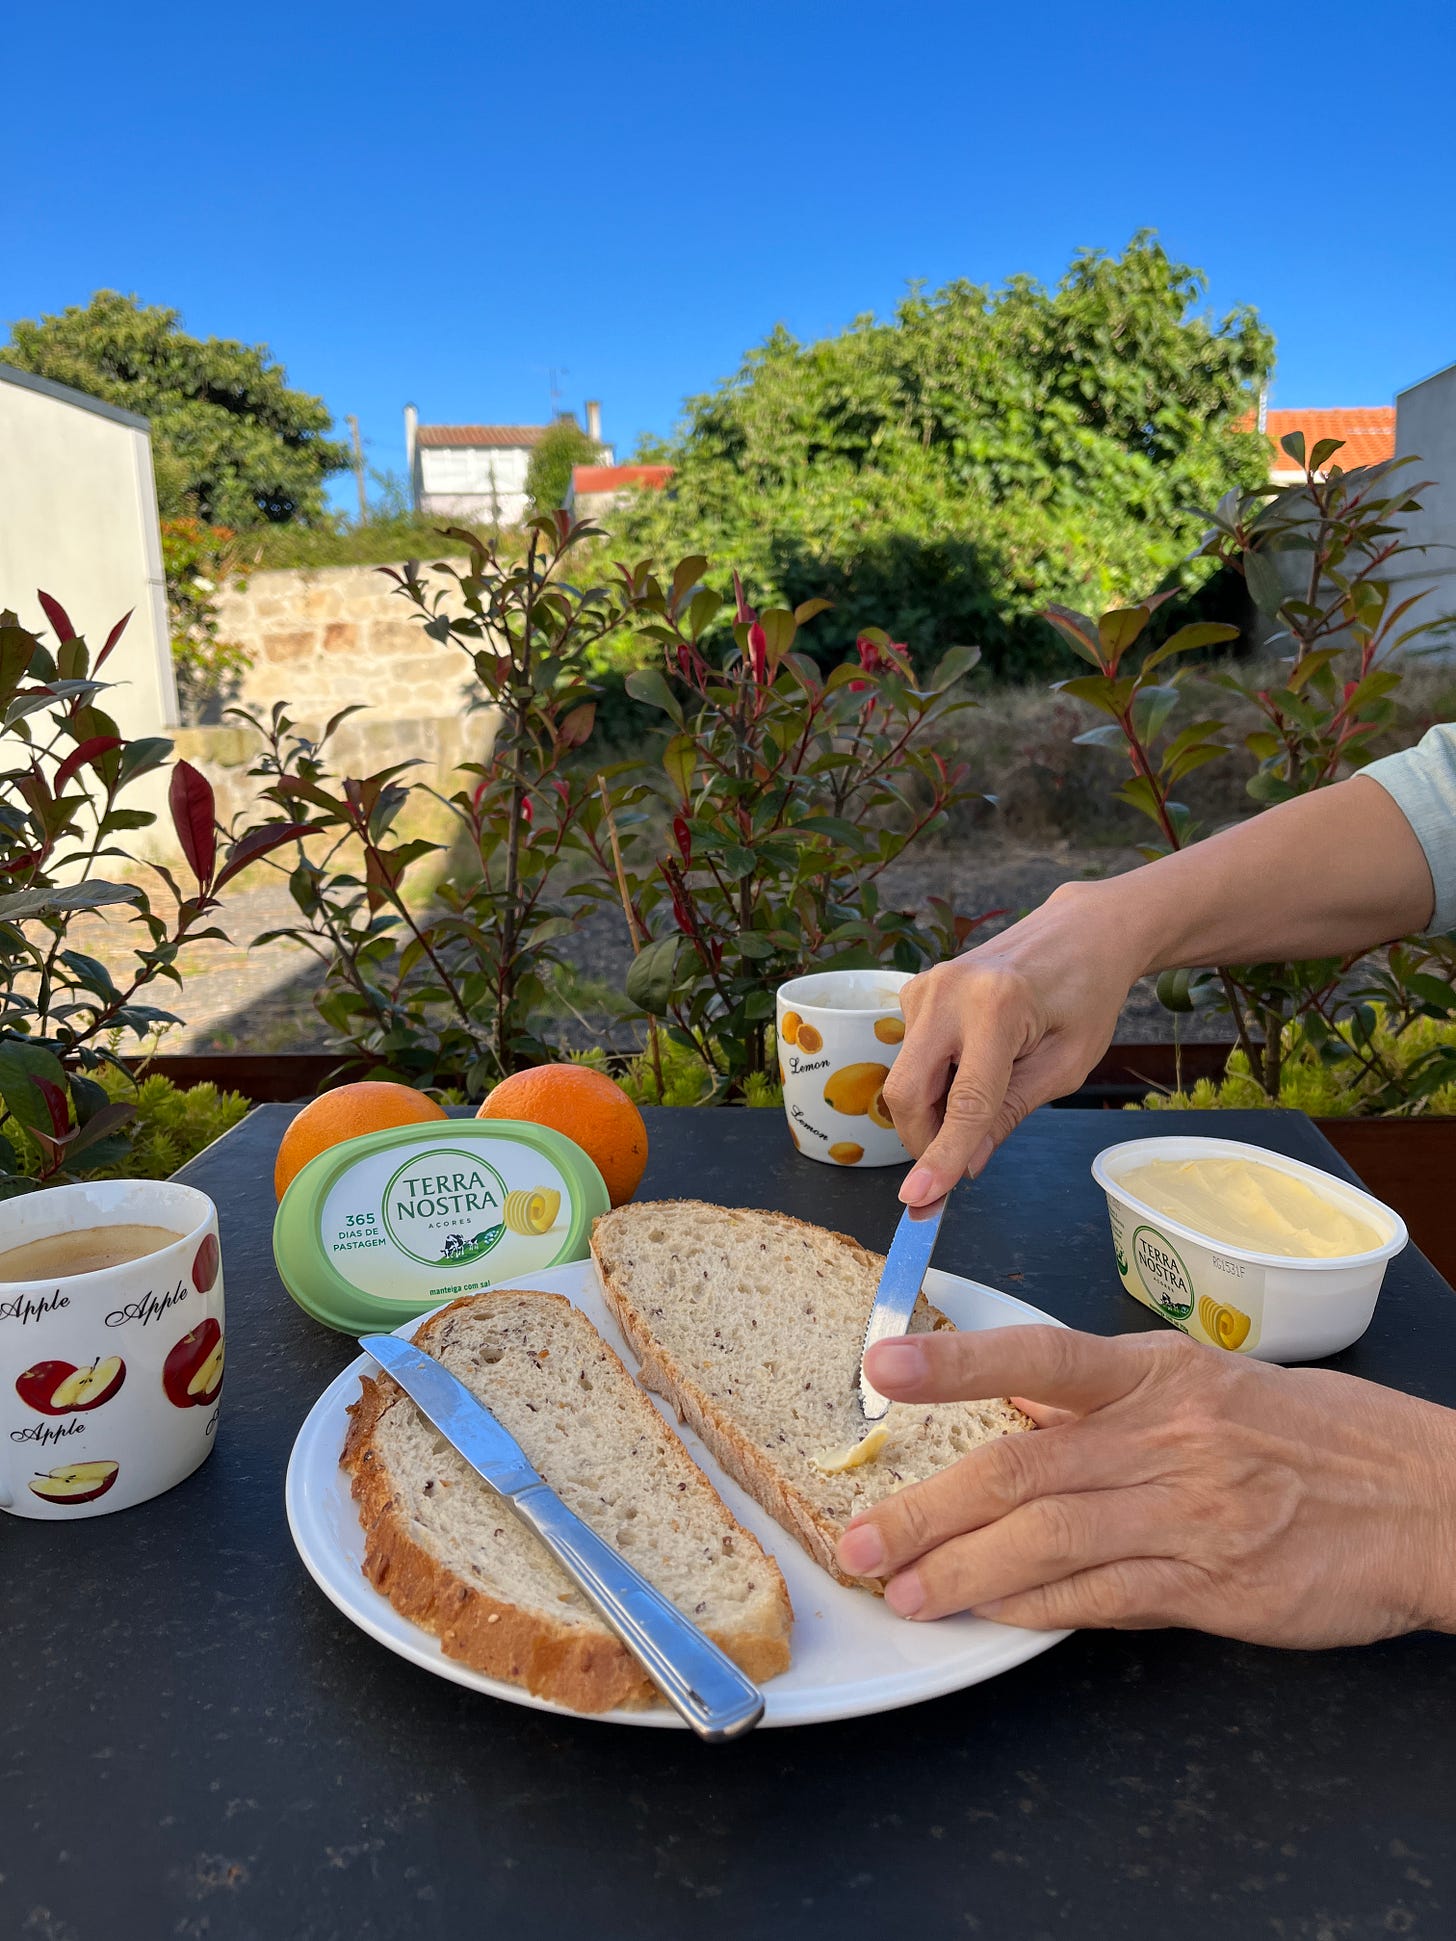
x: 1242, y: 1203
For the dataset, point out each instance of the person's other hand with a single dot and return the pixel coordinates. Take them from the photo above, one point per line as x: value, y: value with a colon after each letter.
x: 1170, y: 1484
x: 991, y: 1035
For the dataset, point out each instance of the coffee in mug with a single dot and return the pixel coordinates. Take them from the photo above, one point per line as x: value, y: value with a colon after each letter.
x: 111, y: 1344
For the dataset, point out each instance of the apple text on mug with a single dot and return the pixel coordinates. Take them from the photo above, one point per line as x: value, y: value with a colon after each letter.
x: 33, y: 1307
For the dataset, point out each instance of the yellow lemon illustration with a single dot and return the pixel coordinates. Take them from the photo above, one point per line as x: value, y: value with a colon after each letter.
x: 531, y: 1210
x: 789, y: 1027
x: 808, y: 1039
x: 890, y: 1031
x: 1227, y: 1327
x: 853, y: 1089
x: 880, y: 1112
x: 795, y: 1137
x: 846, y: 1153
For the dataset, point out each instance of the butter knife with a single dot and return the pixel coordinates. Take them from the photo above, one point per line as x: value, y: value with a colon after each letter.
x: 899, y: 1289
x: 701, y: 1682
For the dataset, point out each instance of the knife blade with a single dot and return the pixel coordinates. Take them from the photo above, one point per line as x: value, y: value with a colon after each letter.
x: 701, y: 1682
x: 899, y: 1289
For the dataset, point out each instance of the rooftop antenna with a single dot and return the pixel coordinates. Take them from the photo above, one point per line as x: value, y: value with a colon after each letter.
x: 553, y: 372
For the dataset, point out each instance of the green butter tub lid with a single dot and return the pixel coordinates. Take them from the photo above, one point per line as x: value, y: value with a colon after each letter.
x: 387, y: 1226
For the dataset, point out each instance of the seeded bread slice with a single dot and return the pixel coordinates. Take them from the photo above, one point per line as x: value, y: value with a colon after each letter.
x: 750, y: 1324
x: 449, y: 1555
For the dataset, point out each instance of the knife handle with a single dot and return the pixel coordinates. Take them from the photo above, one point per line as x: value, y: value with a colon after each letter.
x: 700, y: 1681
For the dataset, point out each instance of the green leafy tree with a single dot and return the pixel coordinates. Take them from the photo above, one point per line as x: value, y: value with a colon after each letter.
x: 232, y: 444
x: 980, y: 455
x: 548, y: 476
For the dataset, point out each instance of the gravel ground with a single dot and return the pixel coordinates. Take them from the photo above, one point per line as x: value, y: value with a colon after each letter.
x: 240, y: 999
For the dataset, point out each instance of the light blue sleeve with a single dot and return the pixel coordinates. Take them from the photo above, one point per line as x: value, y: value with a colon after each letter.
x: 1422, y: 783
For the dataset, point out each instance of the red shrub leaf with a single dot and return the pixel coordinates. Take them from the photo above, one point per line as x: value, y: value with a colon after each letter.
x: 56, y: 1104
x: 194, y: 817
x: 111, y: 639
x: 257, y: 843
x: 83, y: 752
x: 60, y: 620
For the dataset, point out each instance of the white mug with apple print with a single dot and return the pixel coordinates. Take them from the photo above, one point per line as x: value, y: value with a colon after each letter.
x: 109, y: 1381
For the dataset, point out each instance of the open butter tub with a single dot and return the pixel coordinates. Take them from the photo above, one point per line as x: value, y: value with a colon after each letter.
x: 1187, y: 1218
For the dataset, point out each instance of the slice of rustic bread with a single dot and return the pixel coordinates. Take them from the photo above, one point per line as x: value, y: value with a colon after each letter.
x: 449, y: 1554
x: 751, y: 1325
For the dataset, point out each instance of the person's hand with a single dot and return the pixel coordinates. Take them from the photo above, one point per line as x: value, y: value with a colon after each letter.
x: 1171, y: 1484
x: 991, y: 1035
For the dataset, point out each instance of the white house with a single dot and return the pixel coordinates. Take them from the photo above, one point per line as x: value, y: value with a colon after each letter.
x: 475, y: 472
x: 78, y: 520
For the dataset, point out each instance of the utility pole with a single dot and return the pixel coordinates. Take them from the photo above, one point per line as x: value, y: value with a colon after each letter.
x: 353, y: 424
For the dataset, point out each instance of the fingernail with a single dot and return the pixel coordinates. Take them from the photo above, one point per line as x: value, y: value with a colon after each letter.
x: 981, y: 1155
x: 861, y: 1550
x: 917, y: 1185
x: 904, y: 1594
x: 895, y: 1364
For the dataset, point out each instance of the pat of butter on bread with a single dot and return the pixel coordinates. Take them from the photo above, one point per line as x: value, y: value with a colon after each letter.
x: 834, y: 1462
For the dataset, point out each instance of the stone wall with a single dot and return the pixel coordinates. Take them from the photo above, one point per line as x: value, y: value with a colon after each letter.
x: 319, y: 640
x: 323, y: 637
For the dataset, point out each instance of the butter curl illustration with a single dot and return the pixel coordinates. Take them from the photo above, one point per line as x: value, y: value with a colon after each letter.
x: 531, y: 1210
x: 1227, y: 1327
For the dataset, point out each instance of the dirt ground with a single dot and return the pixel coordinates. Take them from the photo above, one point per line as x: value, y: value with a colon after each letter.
x: 236, y: 998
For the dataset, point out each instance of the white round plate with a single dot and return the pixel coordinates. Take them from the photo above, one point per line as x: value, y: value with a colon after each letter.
x: 851, y: 1654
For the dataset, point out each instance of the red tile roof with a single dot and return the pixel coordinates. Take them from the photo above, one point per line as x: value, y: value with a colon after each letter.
x: 496, y: 437
x: 611, y: 478
x: 1368, y: 433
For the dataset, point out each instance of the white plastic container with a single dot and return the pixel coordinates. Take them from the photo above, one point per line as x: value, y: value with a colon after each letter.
x: 1267, y: 1305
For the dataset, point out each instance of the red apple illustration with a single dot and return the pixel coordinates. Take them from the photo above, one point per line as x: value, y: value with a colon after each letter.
x: 75, y: 1482
x: 192, y: 1373
x: 60, y: 1388
x: 209, y: 1259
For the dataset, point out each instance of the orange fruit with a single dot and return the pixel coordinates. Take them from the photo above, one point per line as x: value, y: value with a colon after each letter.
x: 370, y: 1105
x: 589, y: 1108
x: 809, y: 1039
x: 846, y: 1153
x: 789, y: 1027
x: 890, y: 1031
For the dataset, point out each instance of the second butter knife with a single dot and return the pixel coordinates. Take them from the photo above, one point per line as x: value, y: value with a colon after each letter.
x: 899, y: 1290
x: 701, y: 1682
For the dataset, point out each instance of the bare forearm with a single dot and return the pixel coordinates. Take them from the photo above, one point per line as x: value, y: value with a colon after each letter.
x: 1322, y: 876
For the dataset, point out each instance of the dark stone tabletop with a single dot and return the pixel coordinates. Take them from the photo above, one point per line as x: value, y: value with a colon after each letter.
x: 194, y: 1743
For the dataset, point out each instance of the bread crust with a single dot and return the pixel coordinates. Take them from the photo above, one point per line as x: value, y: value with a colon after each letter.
x: 585, y: 1670
x: 746, y: 1464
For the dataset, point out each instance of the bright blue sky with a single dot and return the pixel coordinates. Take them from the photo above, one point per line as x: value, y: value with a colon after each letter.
x: 439, y: 204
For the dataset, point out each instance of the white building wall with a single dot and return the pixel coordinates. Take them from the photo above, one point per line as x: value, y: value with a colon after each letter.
x: 475, y: 482
x: 78, y: 520
x: 1425, y: 430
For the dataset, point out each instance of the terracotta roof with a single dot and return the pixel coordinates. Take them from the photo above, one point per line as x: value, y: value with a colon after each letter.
x: 610, y: 478
x: 495, y: 437
x: 1368, y: 433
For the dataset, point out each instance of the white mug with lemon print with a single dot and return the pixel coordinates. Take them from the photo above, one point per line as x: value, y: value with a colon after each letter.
x: 839, y: 1033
